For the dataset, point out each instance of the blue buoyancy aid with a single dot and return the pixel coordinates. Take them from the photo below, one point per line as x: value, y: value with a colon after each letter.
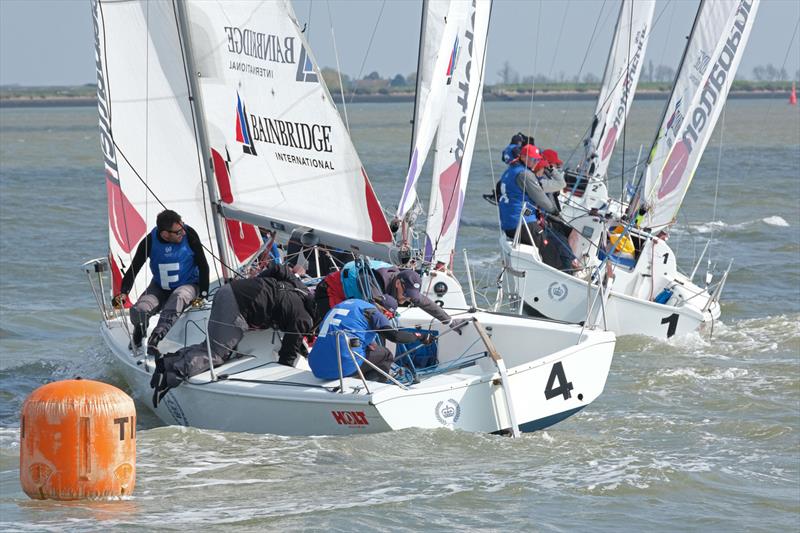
x: 348, y: 317
x: 350, y: 278
x: 172, y: 264
x: 513, y: 202
x: 510, y: 153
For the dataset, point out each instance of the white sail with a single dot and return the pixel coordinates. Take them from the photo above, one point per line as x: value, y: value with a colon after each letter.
x: 439, y: 51
x: 147, y: 132
x: 457, y: 131
x: 273, y: 127
x: 624, y: 66
x: 710, y: 62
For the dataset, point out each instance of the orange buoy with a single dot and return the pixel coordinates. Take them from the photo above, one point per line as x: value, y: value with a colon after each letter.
x: 77, y: 440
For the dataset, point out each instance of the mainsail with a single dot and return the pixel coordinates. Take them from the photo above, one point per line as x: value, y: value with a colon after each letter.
x: 624, y: 66
x: 273, y: 127
x: 147, y: 129
x: 708, y: 68
x: 439, y: 48
x: 457, y: 131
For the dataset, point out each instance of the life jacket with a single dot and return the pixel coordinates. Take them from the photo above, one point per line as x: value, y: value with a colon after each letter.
x: 510, y: 153
x: 172, y: 264
x: 623, y: 245
x: 349, y: 317
x: 353, y: 279
x: 513, y: 202
x: 333, y: 282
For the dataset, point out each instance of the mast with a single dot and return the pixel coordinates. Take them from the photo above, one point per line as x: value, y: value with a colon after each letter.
x: 608, y: 64
x: 423, y: 19
x: 195, y: 99
x: 674, y: 84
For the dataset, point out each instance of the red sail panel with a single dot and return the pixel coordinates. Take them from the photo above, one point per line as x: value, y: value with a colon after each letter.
x: 245, y: 240
x: 380, y: 229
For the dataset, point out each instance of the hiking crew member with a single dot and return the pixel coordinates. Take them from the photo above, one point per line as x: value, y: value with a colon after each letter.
x: 363, y: 323
x: 402, y: 285
x: 275, y: 298
x: 524, y: 193
x: 180, y: 276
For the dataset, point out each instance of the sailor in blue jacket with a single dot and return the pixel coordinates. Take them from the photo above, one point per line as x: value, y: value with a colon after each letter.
x: 180, y: 276
x: 357, y: 325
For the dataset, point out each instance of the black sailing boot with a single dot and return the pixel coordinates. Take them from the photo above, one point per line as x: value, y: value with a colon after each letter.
x: 152, y: 342
x: 136, y: 337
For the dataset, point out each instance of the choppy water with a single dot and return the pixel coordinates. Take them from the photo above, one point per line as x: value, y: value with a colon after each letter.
x: 692, y: 433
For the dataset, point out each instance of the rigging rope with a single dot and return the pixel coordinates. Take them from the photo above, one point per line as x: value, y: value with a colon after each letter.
x: 338, y: 69
x: 533, y: 79
x: 369, y: 45
x: 716, y: 184
x: 586, y: 131
x: 560, y: 128
x: 558, y: 39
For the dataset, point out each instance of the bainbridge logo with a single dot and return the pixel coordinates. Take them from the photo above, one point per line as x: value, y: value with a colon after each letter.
x: 243, y: 128
x: 305, y: 69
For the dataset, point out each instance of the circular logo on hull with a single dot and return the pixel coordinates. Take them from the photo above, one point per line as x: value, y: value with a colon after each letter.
x: 448, y: 412
x: 557, y: 291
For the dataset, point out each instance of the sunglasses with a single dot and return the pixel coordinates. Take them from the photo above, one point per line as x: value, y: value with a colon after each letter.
x: 180, y: 231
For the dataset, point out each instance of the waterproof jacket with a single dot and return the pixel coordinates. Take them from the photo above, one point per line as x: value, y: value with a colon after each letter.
x: 193, y: 265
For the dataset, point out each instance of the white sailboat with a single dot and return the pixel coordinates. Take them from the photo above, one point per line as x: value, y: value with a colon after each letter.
x: 249, y: 135
x: 647, y: 294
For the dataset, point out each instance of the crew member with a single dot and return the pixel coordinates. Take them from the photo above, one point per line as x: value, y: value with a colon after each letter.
x: 276, y: 298
x: 357, y: 324
x: 180, y: 276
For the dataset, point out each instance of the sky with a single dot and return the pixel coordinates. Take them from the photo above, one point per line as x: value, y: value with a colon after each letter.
x: 50, y: 42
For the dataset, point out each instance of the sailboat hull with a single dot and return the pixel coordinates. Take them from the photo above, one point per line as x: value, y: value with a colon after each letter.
x: 553, y: 371
x: 559, y: 295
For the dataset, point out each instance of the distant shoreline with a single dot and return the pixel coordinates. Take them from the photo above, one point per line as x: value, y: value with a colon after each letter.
x: 85, y: 101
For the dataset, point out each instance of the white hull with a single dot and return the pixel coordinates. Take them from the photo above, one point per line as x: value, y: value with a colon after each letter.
x: 259, y: 396
x: 562, y: 296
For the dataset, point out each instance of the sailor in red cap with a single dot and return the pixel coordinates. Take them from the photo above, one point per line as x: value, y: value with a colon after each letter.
x: 527, y: 196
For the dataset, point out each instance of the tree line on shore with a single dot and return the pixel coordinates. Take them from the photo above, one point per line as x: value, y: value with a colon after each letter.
x: 653, y: 78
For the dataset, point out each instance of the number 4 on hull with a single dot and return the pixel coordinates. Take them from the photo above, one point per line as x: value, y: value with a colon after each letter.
x: 564, y: 386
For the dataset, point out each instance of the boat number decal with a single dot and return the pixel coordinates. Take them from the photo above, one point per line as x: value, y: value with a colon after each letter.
x: 448, y: 413
x: 672, y: 320
x: 564, y: 386
x: 557, y: 291
x: 595, y: 187
x: 666, y: 258
x: 175, y: 409
x: 350, y: 418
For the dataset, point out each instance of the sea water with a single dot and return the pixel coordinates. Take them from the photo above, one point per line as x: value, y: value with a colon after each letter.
x: 698, y: 432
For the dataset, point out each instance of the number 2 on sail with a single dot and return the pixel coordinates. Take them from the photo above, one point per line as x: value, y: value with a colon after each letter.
x: 564, y: 386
